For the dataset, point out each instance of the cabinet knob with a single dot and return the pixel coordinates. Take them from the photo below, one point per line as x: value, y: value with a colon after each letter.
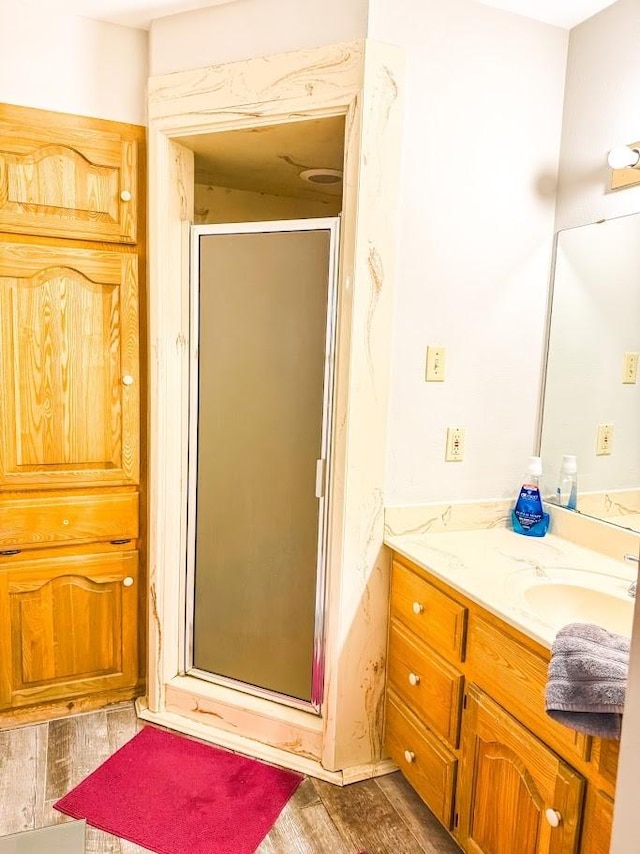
x: 128, y: 581
x: 414, y: 679
x: 553, y: 817
x: 409, y: 756
x: 125, y: 195
x: 418, y: 608
x: 127, y: 379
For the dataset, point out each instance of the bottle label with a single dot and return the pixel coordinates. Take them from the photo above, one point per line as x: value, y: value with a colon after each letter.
x: 528, y: 510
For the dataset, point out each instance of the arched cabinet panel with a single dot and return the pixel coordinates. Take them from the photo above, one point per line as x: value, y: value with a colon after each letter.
x: 68, y: 625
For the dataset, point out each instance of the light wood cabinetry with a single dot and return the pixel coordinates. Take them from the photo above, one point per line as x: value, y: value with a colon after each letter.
x: 467, y: 727
x: 71, y: 264
x: 511, y: 784
x: 69, y: 626
x: 68, y: 176
x: 68, y: 366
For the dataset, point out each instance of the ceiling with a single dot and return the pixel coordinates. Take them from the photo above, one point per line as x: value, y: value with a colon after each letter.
x: 140, y: 13
x: 270, y: 159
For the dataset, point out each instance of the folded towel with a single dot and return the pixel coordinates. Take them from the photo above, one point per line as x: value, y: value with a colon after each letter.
x: 587, y: 679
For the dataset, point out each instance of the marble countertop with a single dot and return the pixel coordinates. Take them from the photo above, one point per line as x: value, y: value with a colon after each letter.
x: 496, y: 568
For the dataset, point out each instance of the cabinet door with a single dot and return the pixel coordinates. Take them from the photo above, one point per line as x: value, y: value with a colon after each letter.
x: 596, y: 835
x: 69, y: 367
x: 513, y: 789
x: 68, y: 626
x: 66, y: 177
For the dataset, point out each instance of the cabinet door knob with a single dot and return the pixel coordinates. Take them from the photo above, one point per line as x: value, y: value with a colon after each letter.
x: 127, y: 379
x: 409, y: 756
x: 414, y: 679
x: 418, y: 608
x: 553, y: 817
x: 125, y: 195
x: 128, y: 581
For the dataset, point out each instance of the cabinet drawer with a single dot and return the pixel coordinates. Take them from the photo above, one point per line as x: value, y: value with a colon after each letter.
x: 516, y: 677
x: 433, y: 616
x: 423, y: 760
x: 68, y: 519
x: 430, y: 687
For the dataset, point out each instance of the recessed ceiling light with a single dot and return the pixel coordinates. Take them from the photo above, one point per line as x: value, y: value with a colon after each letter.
x: 321, y: 176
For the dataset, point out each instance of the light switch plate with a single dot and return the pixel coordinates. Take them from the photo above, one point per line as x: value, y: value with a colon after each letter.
x: 630, y: 370
x: 436, y: 357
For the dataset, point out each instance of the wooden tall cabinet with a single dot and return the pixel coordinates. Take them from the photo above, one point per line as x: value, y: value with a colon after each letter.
x: 71, y: 287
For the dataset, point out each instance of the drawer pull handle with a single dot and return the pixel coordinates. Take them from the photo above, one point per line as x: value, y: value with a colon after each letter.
x: 418, y: 608
x: 119, y: 542
x: 128, y: 581
x: 65, y: 521
x: 11, y: 552
x: 414, y: 679
x: 127, y: 379
x: 553, y: 817
x: 125, y: 195
x: 409, y: 756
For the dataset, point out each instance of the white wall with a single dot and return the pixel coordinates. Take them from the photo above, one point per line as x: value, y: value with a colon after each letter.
x: 252, y: 28
x: 601, y: 111
x: 481, y: 142
x: 71, y: 64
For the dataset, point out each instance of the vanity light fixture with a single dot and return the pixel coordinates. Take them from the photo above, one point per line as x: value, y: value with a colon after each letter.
x: 624, y: 161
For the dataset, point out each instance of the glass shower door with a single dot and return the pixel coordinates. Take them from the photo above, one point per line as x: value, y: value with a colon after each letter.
x: 263, y: 310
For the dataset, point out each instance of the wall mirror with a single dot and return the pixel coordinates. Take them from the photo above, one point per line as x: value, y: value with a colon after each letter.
x: 591, y: 393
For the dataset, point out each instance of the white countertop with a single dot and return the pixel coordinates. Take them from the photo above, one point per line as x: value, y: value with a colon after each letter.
x: 495, y: 567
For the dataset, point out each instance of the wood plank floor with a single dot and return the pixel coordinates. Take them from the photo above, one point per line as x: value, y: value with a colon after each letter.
x: 40, y: 763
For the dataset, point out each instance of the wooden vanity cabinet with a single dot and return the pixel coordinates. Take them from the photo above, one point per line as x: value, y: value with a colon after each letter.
x: 466, y: 725
x: 72, y: 251
x: 514, y: 793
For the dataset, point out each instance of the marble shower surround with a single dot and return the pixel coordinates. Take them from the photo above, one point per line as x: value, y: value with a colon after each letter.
x: 361, y: 80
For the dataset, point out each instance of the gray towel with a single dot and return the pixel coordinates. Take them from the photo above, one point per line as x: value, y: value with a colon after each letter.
x: 587, y: 679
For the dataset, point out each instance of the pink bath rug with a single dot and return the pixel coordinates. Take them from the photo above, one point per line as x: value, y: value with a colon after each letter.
x: 174, y: 795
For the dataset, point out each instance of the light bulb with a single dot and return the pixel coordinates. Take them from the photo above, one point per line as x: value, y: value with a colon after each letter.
x: 622, y: 156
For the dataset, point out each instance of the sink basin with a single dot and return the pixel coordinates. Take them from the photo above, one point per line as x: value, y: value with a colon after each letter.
x: 557, y: 596
x: 559, y: 604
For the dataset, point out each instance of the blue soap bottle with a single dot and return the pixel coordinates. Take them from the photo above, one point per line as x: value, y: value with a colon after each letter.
x: 528, y: 515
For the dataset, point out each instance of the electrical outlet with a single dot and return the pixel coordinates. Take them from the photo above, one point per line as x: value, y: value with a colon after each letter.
x: 630, y: 371
x: 604, y: 444
x: 435, y: 364
x: 455, y: 445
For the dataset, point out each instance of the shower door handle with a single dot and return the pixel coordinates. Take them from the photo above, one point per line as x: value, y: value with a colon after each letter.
x: 320, y: 477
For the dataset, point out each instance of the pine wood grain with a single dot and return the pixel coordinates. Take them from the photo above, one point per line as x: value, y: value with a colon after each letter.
x: 53, y: 607
x: 64, y: 177
x: 70, y: 335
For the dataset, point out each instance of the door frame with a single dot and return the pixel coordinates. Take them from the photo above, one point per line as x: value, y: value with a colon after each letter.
x: 323, y: 485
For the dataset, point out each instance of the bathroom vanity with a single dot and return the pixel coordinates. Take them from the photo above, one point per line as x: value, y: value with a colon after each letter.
x: 469, y: 647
